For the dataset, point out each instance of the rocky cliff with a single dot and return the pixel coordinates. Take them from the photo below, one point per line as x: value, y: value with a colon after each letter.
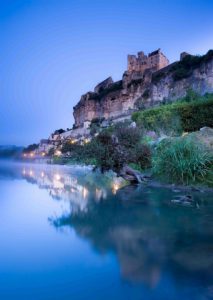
x: 138, y: 90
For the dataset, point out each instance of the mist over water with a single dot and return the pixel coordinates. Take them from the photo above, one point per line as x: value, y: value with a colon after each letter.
x: 70, y: 233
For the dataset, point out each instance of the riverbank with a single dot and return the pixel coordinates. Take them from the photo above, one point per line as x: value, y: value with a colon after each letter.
x: 172, y: 142
x: 183, y: 161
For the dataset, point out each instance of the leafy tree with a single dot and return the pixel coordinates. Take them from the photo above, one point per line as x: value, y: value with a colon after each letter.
x: 59, y: 131
x: 30, y: 148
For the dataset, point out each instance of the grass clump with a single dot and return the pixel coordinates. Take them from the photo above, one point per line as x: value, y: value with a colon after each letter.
x: 183, y: 160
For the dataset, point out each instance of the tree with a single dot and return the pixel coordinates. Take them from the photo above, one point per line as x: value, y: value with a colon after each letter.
x: 30, y: 148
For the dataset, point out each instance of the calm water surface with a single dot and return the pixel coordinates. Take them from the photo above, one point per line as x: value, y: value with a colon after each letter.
x: 68, y: 233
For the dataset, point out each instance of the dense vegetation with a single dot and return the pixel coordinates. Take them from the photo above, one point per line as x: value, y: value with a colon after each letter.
x: 112, y: 149
x: 183, y: 160
x: 30, y: 148
x: 188, y: 114
x: 178, y: 159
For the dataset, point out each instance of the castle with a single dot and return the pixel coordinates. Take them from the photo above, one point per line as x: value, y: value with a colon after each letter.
x: 148, y: 81
x: 155, y: 60
x: 115, y: 99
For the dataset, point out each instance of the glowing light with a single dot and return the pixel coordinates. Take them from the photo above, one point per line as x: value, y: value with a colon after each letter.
x: 25, y: 154
x: 42, y: 174
x: 31, y: 173
x: 57, y: 177
x: 57, y: 152
x: 24, y: 172
x: 85, y: 192
x: 115, y: 187
x: 184, y: 133
x: 31, y: 154
x: 86, y: 141
x: 73, y: 141
x: 43, y: 153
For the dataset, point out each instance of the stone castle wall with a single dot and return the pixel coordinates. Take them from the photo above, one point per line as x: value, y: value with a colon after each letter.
x: 155, y: 60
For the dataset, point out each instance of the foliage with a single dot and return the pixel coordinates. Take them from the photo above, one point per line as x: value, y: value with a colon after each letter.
x: 184, y: 67
x: 95, y: 125
x: 191, y: 95
x: 143, y: 156
x: 128, y: 137
x: 179, y: 116
x: 182, y: 160
x: 51, y: 152
x: 119, y: 147
x: 112, y: 149
x: 114, y: 87
x: 59, y: 131
x: 30, y: 148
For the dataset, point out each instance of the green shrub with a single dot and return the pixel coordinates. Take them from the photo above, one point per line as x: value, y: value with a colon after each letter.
x: 182, y: 160
x: 179, y: 116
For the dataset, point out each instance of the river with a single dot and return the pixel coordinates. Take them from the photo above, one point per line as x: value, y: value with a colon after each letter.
x: 70, y: 233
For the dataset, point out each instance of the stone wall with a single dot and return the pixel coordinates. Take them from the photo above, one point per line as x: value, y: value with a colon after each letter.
x: 155, y: 60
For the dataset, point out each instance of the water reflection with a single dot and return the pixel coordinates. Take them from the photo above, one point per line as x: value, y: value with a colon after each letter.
x: 148, y: 236
x: 77, y: 185
x: 155, y: 241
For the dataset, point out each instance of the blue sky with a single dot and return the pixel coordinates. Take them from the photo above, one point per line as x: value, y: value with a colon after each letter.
x: 53, y: 51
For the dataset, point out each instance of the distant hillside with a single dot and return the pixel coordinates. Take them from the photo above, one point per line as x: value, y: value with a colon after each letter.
x: 10, y: 151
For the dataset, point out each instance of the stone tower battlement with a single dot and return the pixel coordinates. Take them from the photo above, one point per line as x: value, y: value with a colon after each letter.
x: 155, y: 60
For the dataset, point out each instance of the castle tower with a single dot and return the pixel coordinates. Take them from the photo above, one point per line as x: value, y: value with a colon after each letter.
x: 155, y: 60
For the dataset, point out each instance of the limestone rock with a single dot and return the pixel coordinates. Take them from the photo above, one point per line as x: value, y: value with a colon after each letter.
x: 143, y: 85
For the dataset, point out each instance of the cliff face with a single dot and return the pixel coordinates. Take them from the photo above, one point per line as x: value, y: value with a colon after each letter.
x: 200, y: 80
x: 146, y: 89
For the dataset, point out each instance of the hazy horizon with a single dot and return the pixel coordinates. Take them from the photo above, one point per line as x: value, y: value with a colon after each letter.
x: 54, y: 51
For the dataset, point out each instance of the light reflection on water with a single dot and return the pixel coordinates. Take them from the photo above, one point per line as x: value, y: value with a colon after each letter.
x: 130, y: 243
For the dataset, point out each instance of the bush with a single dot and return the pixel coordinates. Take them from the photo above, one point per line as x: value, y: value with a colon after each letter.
x: 143, y: 156
x: 113, y: 148
x: 128, y: 137
x: 109, y: 154
x: 182, y: 160
x: 179, y: 116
